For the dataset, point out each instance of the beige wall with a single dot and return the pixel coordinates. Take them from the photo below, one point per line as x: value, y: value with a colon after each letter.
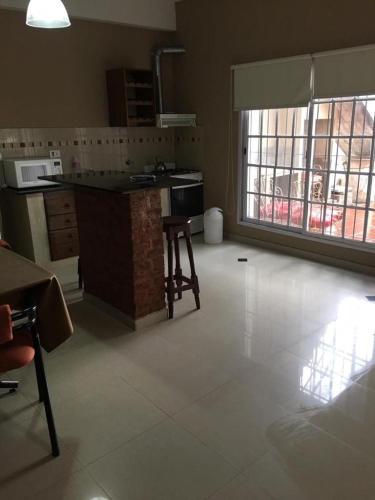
x: 219, y: 33
x: 56, y: 78
x: 158, y: 14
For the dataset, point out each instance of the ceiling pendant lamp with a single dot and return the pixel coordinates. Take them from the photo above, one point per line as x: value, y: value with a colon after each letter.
x: 47, y: 14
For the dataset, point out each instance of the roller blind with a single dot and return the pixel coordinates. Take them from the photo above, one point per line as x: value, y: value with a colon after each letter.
x: 270, y: 84
x: 342, y: 73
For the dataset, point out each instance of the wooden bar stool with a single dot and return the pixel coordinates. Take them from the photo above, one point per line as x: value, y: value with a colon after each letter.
x: 177, y: 283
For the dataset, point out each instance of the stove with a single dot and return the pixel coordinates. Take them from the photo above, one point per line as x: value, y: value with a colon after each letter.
x: 188, y: 200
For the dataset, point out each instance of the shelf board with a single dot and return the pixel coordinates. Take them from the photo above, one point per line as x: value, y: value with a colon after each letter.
x: 136, y: 120
x: 138, y: 85
x: 133, y: 102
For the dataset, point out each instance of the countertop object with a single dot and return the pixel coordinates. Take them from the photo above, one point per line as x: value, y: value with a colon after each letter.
x: 115, y: 181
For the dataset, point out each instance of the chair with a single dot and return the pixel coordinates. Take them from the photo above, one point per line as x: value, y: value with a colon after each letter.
x: 4, y: 244
x: 19, y: 346
x: 172, y: 227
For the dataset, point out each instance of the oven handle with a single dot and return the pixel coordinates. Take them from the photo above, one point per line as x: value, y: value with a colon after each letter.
x: 188, y: 185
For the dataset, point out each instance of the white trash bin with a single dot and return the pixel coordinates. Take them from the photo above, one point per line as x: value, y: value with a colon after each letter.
x: 213, y: 226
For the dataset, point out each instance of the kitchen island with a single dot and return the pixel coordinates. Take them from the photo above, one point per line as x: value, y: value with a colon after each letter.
x: 121, y: 242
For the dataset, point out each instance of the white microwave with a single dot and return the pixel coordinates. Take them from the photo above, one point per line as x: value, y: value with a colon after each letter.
x: 25, y: 172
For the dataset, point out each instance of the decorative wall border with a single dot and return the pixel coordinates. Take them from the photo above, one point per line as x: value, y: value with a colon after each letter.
x: 15, y: 143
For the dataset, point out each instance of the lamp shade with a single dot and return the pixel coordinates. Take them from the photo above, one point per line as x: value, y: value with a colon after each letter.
x: 47, y: 14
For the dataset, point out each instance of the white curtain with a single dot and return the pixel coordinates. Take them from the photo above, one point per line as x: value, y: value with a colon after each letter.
x: 275, y: 83
x: 347, y: 72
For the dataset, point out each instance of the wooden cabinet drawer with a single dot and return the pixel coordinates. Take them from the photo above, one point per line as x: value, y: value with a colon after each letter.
x: 62, y: 221
x: 64, y: 251
x: 64, y: 243
x: 60, y: 202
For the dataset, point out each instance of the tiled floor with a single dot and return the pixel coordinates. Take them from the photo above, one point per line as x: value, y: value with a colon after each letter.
x: 268, y: 392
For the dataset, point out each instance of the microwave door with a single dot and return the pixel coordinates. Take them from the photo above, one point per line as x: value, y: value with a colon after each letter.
x: 29, y: 174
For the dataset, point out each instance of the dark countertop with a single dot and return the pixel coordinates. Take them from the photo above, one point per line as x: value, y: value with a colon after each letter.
x: 115, y: 181
x: 36, y: 190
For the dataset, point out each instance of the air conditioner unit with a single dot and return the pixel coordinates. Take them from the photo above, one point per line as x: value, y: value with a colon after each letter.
x: 166, y: 120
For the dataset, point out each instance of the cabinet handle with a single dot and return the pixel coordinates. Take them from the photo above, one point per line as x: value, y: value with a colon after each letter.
x: 67, y: 221
x: 67, y: 205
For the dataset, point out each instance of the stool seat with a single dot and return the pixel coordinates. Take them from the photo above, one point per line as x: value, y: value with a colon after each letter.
x: 175, y: 220
x: 17, y: 353
x: 176, y: 282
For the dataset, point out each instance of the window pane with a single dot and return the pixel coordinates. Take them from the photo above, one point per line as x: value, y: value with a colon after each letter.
x: 320, y: 150
x: 296, y: 213
x: 252, y: 211
x: 284, y: 153
x: 253, y: 151
x: 339, y: 154
x: 254, y: 122
x: 370, y: 236
x: 265, y: 208
x: 268, y: 151
x: 364, y: 117
x: 354, y: 224
x: 299, y: 160
x: 285, y: 121
x: 297, y: 187
x: 333, y: 221
x: 342, y: 117
x: 322, y: 118
x: 357, y: 190
x: 269, y: 118
x: 281, y: 211
x: 360, y: 154
x: 315, y: 218
x: 253, y: 179
x: 266, y: 180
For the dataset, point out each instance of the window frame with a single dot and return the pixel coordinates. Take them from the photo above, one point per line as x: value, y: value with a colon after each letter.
x: 301, y: 233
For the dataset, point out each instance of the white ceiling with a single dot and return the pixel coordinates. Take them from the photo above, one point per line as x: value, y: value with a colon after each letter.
x: 148, y: 13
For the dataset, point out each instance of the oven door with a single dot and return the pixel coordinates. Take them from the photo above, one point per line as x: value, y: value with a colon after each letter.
x: 187, y: 200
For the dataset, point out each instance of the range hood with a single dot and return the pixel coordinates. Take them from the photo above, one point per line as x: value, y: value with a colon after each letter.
x: 163, y: 118
x: 166, y: 120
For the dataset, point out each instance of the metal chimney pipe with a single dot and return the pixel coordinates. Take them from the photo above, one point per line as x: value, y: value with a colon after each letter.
x: 157, y: 68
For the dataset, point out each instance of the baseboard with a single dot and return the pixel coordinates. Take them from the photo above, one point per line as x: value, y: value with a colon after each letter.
x: 305, y: 254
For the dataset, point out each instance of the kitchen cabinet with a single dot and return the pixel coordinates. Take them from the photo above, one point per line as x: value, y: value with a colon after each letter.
x: 62, y: 224
x: 131, y: 98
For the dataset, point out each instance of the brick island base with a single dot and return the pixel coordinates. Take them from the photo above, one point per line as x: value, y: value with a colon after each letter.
x: 121, y: 251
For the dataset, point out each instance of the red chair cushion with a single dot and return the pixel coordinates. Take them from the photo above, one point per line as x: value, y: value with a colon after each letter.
x: 5, y: 244
x: 17, y: 353
x: 6, y: 333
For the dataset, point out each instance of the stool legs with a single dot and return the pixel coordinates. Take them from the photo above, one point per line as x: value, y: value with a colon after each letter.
x: 178, y: 271
x: 170, y: 285
x: 194, y: 277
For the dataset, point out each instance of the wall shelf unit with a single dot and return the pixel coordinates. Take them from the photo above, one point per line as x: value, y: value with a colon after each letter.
x: 131, y: 98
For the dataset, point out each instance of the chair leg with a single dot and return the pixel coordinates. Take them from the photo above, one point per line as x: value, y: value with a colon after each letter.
x: 170, y: 284
x: 12, y: 385
x: 194, y: 276
x: 42, y: 383
x: 178, y: 271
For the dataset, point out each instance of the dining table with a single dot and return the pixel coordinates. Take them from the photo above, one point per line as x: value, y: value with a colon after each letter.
x: 24, y: 284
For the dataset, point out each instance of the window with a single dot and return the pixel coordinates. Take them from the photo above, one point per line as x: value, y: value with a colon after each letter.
x: 310, y: 169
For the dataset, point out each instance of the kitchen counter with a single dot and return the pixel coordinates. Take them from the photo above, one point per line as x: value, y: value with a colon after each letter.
x: 115, y: 181
x: 35, y: 190
x: 120, y: 234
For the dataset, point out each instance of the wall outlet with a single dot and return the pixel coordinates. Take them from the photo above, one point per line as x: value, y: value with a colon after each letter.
x: 54, y: 153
